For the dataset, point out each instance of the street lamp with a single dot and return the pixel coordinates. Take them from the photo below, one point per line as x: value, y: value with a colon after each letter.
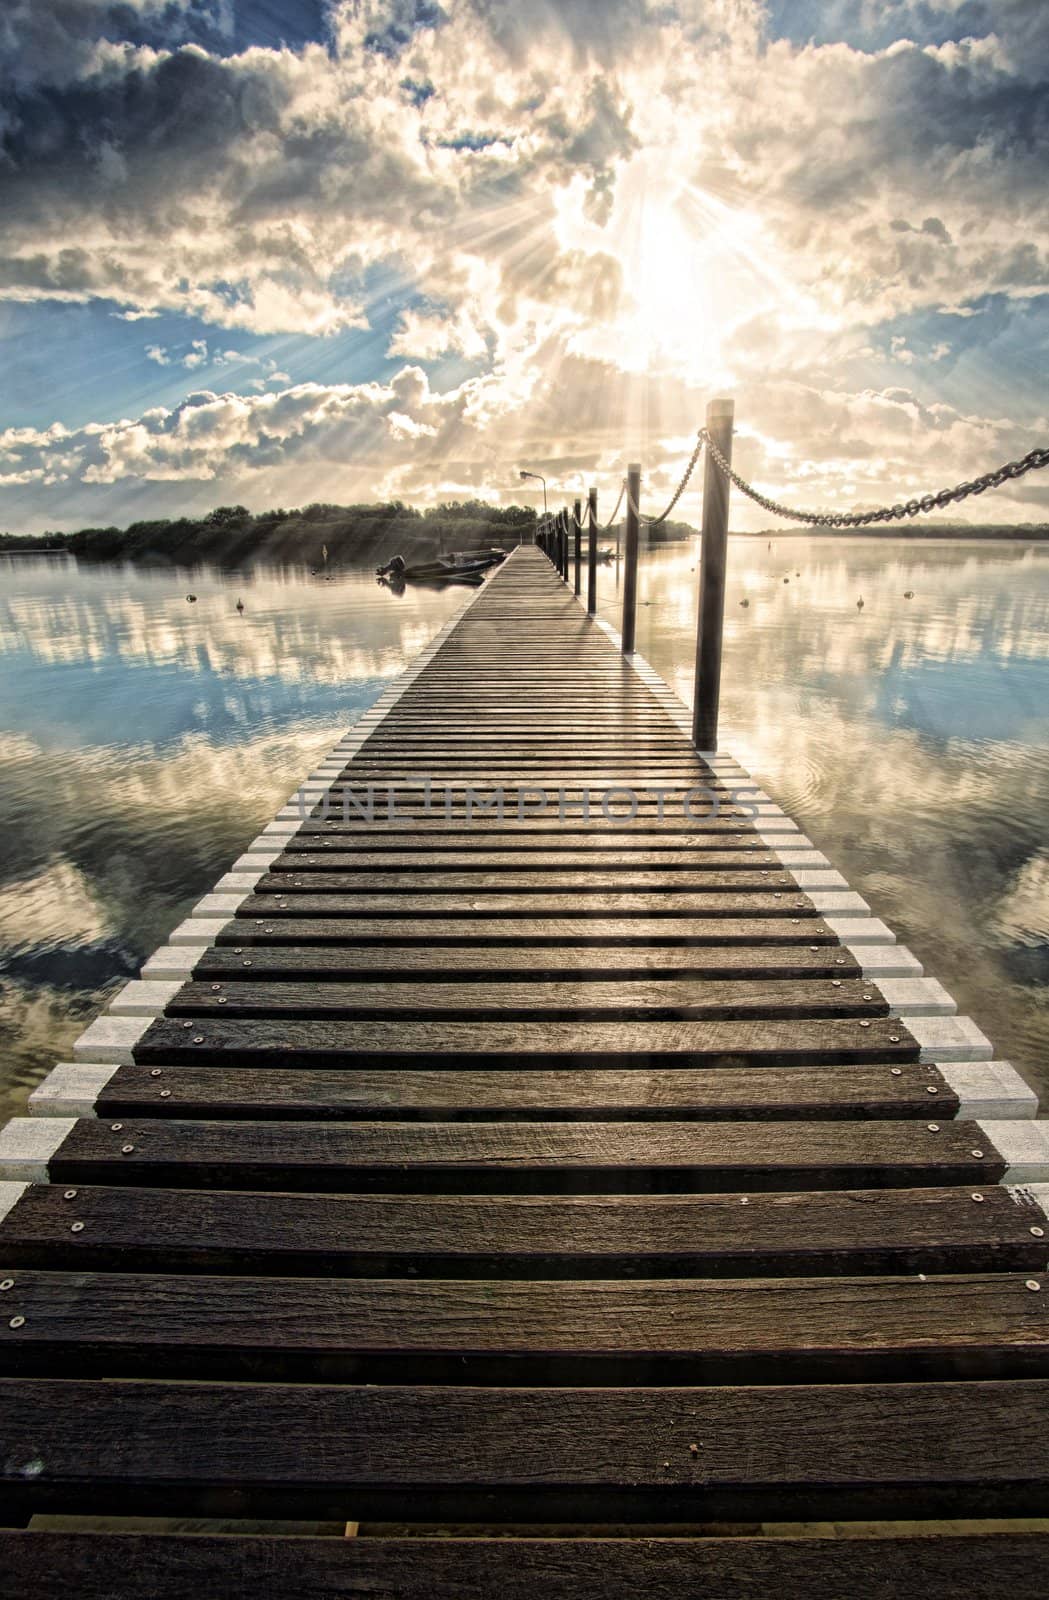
x: 542, y: 480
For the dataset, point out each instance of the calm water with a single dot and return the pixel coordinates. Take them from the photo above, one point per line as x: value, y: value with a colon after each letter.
x: 145, y: 741
x: 910, y: 739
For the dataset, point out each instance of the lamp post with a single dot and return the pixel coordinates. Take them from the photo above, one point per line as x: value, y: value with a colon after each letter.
x: 541, y: 479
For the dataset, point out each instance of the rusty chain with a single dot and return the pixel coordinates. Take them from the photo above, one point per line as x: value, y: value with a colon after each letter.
x: 1031, y: 462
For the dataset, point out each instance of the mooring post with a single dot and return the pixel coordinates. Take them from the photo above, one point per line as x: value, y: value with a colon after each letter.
x: 566, y: 534
x: 591, y: 553
x: 577, y: 525
x: 713, y: 562
x: 633, y: 528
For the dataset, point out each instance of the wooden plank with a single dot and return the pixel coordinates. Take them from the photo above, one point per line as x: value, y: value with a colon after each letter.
x: 523, y: 848
x: 95, y: 1566
x: 578, y: 1094
x: 801, y: 1451
x: 785, y: 926
x: 525, y: 1157
x: 251, y: 1042
x: 889, y: 1231
x: 365, y: 964
x: 668, y: 882
x: 504, y: 1330
x: 623, y: 1000
x: 754, y: 855
x: 522, y: 903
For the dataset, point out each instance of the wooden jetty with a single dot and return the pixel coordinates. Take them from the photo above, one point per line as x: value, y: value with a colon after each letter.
x: 599, y: 1170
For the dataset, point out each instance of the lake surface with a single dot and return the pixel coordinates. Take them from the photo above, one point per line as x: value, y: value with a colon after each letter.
x: 144, y: 741
x: 909, y: 738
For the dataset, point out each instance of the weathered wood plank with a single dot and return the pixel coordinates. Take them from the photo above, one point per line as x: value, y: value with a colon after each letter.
x: 886, y: 1231
x: 786, y: 926
x: 652, y: 999
x: 522, y: 903
x: 783, y: 1453
x: 526, y: 1157
x: 756, y: 857
x: 251, y: 1042
x: 668, y: 882
x: 363, y: 963
x: 502, y: 1330
x: 50, y: 1566
x: 578, y: 1094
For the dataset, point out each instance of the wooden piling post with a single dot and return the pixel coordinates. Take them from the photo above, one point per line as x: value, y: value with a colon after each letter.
x: 591, y: 553
x: 633, y: 528
x: 713, y: 562
x: 577, y: 527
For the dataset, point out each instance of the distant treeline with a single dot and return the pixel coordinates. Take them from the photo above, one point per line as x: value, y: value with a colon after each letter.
x: 232, y: 535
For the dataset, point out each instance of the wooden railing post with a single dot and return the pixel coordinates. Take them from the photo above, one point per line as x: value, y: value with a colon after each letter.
x: 562, y: 543
x: 591, y: 553
x: 713, y: 561
x: 633, y: 528
x: 577, y: 528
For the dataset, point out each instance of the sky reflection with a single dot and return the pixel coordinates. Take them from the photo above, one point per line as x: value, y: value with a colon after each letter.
x: 910, y: 738
x: 144, y: 741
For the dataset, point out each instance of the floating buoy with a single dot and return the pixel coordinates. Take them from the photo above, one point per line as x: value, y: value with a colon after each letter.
x: 191, y: 598
x: 908, y: 594
x: 786, y: 580
x: 240, y: 605
x: 859, y: 604
x: 744, y: 602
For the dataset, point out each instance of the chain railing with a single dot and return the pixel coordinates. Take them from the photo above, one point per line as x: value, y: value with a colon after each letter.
x: 716, y: 438
x: 1031, y: 462
x: 605, y: 527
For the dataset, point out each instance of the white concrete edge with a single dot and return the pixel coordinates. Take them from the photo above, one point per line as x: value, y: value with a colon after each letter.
x: 71, y: 1089
x: 865, y: 931
x: 238, y: 882
x: 840, y: 904
x: 257, y: 860
x: 949, y: 1039
x: 881, y: 961
x: 1023, y: 1145
x: 28, y: 1144
x: 112, y: 1040
x: 10, y: 1194
x: 916, y: 997
x: 818, y: 878
x: 216, y: 905
x: 143, y: 998
x: 196, y: 930
x: 989, y: 1090
x: 173, y: 961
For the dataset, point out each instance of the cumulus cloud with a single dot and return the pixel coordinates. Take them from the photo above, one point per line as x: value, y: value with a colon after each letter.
x: 403, y: 438
x: 654, y: 198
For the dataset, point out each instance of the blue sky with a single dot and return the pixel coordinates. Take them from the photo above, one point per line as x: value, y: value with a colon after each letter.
x: 287, y: 250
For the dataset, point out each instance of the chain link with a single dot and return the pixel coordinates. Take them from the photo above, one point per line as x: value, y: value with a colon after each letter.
x: 605, y: 526
x: 682, y: 486
x: 1031, y: 462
